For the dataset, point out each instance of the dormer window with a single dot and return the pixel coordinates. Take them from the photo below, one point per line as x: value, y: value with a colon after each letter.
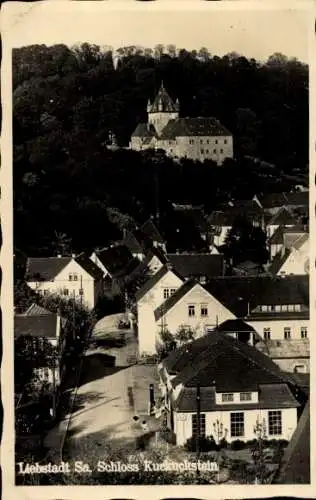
x: 245, y: 396
x: 227, y: 397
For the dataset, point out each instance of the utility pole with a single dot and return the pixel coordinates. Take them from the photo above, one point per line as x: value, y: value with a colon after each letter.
x: 73, y: 316
x: 81, y: 291
x: 198, y: 424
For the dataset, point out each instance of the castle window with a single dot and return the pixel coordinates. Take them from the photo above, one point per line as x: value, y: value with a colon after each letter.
x: 225, y: 141
x: 215, y: 151
x: 222, y: 151
x: 201, y: 141
x: 202, y: 151
x: 303, y: 332
x: 216, y: 141
x: 207, y: 141
x: 207, y: 151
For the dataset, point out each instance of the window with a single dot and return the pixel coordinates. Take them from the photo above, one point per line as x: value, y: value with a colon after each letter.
x: 237, y: 426
x: 284, y: 308
x: 214, y: 151
x: 275, y: 422
x: 227, y: 397
x: 207, y: 151
x: 221, y: 151
x: 216, y: 141
x: 207, y: 141
x: 70, y: 277
x: 266, y: 308
x: 201, y: 141
x: 277, y: 309
x: 191, y: 310
x: 225, y: 141
x: 245, y: 396
x: 297, y: 307
x: 202, y: 280
x: 191, y: 141
x: 65, y: 291
x: 167, y: 292
x: 202, y: 151
x: 303, y: 332
x: 290, y: 307
x: 287, y: 332
x: 75, y: 277
x: 45, y: 292
x: 195, y: 425
x: 266, y: 333
x: 204, y: 311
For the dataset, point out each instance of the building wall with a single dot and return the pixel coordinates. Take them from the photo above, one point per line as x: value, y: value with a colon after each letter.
x: 95, y: 259
x: 293, y: 365
x: 178, y: 315
x: 145, y: 312
x: 61, y: 283
x: 296, y: 262
x: 183, y: 424
x: 205, y: 147
x: 277, y: 327
x: 154, y: 265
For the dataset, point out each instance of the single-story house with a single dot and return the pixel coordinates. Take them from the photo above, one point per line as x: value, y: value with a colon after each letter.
x: 239, y: 389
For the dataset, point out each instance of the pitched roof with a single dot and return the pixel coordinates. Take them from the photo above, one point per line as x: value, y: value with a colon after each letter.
x: 198, y: 126
x: 155, y: 279
x: 299, y: 198
x: 90, y: 267
x: 163, y: 102
x: 132, y: 243
x: 142, y: 266
x: 151, y: 231
x: 115, y: 258
x: 36, y: 310
x: 279, y: 259
x: 144, y: 130
x: 36, y: 326
x: 271, y: 396
x: 239, y: 294
x: 228, y: 216
x: 283, y: 217
x: 174, y: 298
x: 45, y: 268
x: 273, y: 200
x: 191, y: 265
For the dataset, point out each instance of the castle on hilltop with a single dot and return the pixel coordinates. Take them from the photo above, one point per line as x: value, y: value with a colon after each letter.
x: 199, y: 138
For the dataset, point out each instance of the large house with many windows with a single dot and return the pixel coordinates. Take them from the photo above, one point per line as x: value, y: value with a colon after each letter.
x: 241, y: 392
x: 198, y: 138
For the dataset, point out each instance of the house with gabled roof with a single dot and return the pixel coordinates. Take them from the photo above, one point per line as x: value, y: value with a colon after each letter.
x: 153, y: 293
x: 294, y: 259
x: 112, y: 260
x: 150, y: 230
x: 38, y: 325
x: 198, y: 138
x: 283, y: 218
x: 239, y: 387
x: 70, y: 277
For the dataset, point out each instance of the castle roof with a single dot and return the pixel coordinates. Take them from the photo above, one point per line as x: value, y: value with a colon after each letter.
x: 198, y: 126
x: 163, y: 102
x: 144, y: 130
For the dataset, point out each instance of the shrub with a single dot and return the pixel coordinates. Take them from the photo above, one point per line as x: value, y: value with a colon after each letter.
x: 206, y: 444
x: 237, y: 445
x: 223, y: 443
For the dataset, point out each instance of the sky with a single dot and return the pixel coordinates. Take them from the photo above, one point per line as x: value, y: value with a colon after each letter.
x: 252, y: 29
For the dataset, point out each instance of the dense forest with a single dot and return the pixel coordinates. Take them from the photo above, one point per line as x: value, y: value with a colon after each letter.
x: 66, y: 102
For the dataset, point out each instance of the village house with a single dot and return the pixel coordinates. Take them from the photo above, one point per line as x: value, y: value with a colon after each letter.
x: 154, y: 292
x: 112, y: 260
x: 198, y: 138
x: 240, y: 388
x: 150, y: 230
x: 273, y: 308
x: 273, y: 202
x: 70, y: 277
x: 283, y: 218
x: 285, y: 238
x: 292, y: 260
x: 36, y: 324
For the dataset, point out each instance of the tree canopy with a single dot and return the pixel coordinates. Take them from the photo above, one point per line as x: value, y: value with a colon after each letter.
x: 67, y: 101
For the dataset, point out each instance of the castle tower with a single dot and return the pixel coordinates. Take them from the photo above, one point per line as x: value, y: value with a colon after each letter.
x: 162, y: 110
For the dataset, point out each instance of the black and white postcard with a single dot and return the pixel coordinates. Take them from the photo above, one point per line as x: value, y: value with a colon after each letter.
x: 157, y: 178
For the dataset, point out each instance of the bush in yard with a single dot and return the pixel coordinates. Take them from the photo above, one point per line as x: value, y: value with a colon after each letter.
x: 237, y: 445
x: 223, y: 444
x: 206, y: 444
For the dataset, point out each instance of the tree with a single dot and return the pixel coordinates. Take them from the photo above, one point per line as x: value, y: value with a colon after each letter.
x: 257, y: 451
x: 245, y: 242
x: 184, y: 334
